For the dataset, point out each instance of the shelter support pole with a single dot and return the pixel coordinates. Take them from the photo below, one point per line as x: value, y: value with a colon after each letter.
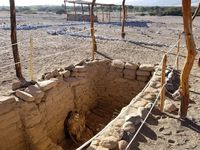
x: 74, y: 8
x: 14, y: 40
x: 102, y: 9
x: 162, y: 96
x: 94, y: 46
x: 82, y: 9
x: 123, y: 20
x: 191, y: 53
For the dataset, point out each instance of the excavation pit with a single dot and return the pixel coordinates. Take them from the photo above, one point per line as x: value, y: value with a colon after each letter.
x: 96, y: 90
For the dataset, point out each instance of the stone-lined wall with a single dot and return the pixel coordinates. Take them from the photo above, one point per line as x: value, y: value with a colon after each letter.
x: 33, y: 118
x: 80, y: 17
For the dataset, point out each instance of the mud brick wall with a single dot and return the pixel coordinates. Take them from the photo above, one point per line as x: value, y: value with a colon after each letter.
x: 33, y: 117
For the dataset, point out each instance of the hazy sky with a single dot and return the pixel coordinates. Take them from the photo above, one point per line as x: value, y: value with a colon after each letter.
x: 59, y: 2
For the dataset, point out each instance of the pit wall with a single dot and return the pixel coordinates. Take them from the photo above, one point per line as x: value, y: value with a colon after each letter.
x: 33, y: 117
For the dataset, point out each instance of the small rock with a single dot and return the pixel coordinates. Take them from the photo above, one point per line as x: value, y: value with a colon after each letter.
x: 142, y: 112
x: 48, y: 76
x: 65, y: 73
x: 134, y: 118
x: 129, y: 127
x: 149, y: 106
x: 55, y: 73
x: 122, y: 145
x: 80, y: 69
x: 171, y: 141
x: 109, y: 142
x: 169, y: 106
x: 177, y: 95
x: 25, y: 96
x: 16, y: 84
x: 118, y: 64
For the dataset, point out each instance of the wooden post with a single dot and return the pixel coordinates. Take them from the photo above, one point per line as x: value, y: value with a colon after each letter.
x: 102, y: 13
x: 82, y: 9
x: 162, y: 96
x: 89, y: 9
x: 94, y: 46
x: 191, y: 53
x: 109, y: 13
x: 177, y: 52
x: 120, y: 15
x: 126, y: 13
x: 123, y: 21
x: 14, y: 40
x: 74, y: 8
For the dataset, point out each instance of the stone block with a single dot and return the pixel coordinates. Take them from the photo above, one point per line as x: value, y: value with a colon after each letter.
x: 131, y: 66
x: 143, y: 73
x: 117, y: 64
x: 169, y: 106
x: 80, y: 69
x: 129, y: 74
x: 47, y: 84
x: 35, y: 91
x: 109, y: 142
x: 142, y: 78
x: 24, y: 96
x: 65, y: 73
x: 147, y: 67
x: 122, y: 145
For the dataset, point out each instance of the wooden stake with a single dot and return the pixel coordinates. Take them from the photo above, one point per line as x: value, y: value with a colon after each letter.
x: 82, y: 9
x: 191, y: 53
x: 74, y: 8
x: 162, y: 96
x: 102, y: 13
x: 177, y: 52
x: 94, y: 46
x: 14, y: 40
x: 123, y: 21
x: 120, y: 15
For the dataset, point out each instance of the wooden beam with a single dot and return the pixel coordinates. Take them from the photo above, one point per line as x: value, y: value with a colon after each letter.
x: 195, y: 13
x: 14, y: 40
x: 191, y: 53
x: 94, y: 46
x: 123, y: 20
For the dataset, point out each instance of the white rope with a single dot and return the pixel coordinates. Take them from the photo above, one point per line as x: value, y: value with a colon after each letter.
x: 145, y: 118
x: 109, y: 124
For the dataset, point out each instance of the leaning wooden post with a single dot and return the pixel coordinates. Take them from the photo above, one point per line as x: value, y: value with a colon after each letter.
x: 102, y: 13
x: 14, y: 39
x: 177, y: 52
x: 94, y: 46
x: 74, y: 8
x: 123, y: 21
x: 82, y: 9
x: 191, y: 53
x: 162, y: 96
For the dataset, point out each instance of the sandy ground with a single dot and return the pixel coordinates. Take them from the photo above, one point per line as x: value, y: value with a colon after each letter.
x: 147, y: 39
